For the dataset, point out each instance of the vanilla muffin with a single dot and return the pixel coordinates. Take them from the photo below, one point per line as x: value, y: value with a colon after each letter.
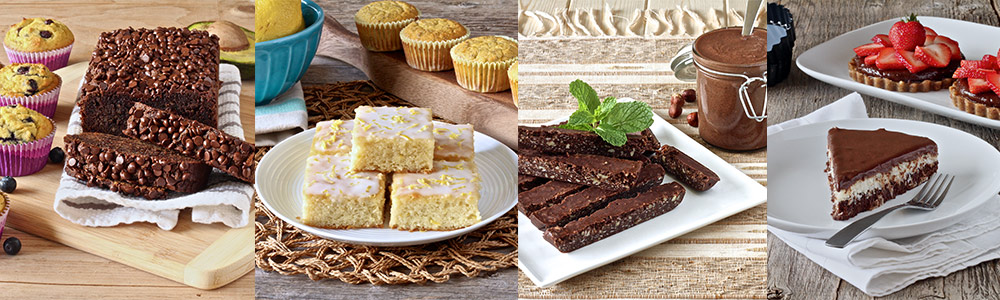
x: 25, y: 140
x: 31, y: 85
x: 427, y: 43
x: 481, y: 63
x: 380, y: 22
x: 512, y: 75
x: 39, y: 40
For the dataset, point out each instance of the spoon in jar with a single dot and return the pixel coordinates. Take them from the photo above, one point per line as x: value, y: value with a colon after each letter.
x: 753, y: 6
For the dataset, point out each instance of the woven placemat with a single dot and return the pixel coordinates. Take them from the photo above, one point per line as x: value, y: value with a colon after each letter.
x: 287, y: 250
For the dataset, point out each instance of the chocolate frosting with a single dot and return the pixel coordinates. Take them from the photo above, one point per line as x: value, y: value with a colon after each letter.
x: 857, y: 153
x: 986, y: 98
x: 905, y: 75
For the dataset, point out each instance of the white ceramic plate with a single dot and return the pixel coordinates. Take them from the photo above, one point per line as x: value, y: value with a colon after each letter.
x: 828, y: 63
x: 801, y: 202
x: 281, y: 171
x: 735, y: 192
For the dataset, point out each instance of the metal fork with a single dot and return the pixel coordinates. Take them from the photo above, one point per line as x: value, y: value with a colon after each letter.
x: 929, y: 197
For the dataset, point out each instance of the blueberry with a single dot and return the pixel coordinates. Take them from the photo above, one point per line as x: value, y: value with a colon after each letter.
x: 56, y: 155
x: 23, y: 70
x: 8, y: 184
x: 45, y: 34
x: 12, y: 246
x: 48, y: 22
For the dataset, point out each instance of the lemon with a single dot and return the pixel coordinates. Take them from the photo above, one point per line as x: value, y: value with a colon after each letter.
x: 277, y: 18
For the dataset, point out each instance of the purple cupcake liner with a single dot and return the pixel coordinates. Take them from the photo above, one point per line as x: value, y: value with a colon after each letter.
x: 44, y: 103
x: 53, y: 59
x: 27, y: 158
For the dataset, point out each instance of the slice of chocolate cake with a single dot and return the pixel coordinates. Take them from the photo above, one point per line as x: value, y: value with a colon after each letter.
x: 866, y: 168
x: 175, y: 69
x: 618, y: 216
x: 96, y: 155
x: 193, y: 139
x: 558, y: 140
x: 120, y: 187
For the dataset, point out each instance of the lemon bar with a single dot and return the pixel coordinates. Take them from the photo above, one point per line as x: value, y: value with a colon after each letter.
x: 453, y: 142
x: 447, y: 198
x: 392, y: 139
x: 332, y: 137
x: 337, y: 198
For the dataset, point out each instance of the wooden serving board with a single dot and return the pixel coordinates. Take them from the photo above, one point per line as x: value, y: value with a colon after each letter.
x: 204, y: 256
x: 490, y: 113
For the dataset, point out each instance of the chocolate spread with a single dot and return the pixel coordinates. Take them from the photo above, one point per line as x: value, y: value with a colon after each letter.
x: 986, y: 98
x: 721, y: 117
x: 933, y: 74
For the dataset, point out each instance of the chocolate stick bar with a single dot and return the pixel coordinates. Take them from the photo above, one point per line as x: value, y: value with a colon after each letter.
x: 527, y: 182
x: 593, y: 170
x: 553, y: 139
x: 590, y: 199
x: 544, y: 195
x: 685, y: 168
x: 619, y: 215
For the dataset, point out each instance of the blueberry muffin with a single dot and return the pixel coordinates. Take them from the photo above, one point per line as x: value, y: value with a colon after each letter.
x: 25, y: 80
x: 37, y: 35
x: 21, y: 125
x: 380, y: 22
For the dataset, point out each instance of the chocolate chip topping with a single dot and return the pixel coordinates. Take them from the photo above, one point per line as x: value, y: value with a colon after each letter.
x: 45, y: 34
x: 129, y: 161
x: 23, y: 70
x: 48, y: 22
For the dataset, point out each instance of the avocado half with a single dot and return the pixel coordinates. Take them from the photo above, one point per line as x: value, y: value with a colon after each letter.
x: 243, y: 59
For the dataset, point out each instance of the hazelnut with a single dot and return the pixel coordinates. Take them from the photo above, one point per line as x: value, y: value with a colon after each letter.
x: 675, y: 111
x: 676, y: 100
x: 693, y: 119
x: 688, y: 95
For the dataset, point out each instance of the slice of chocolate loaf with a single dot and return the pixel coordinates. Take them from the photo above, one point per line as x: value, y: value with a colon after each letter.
x: 593, y: 170
x: 591, y: 199
x: 618, y: 216
x: 553, y: 139
x: 175, y: 69
x: 544, y: 195
x: 130, y: 161
x: 123, y: 188
x: 193, y: 139
x: 684, y: 168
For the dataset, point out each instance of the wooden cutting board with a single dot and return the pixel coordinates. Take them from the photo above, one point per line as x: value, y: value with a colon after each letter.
x: 491, y: 113
x: 204, y: 256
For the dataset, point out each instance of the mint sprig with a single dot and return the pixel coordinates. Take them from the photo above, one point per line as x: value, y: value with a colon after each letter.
x: 608, y: 118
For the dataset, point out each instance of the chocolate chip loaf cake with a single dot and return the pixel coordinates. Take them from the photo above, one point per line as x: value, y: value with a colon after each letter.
x: 93, y: 156
x: 123, y: 188
x: 174, y: 69
x: 193, y: 139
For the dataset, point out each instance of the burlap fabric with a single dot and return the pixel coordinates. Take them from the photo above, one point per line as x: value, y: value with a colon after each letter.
x: 287, y: 250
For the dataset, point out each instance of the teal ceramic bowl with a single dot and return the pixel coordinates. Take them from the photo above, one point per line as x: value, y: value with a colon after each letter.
x: 282, y: 62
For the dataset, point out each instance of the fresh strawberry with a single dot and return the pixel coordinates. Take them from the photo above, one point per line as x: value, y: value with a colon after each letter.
x: 871, y: 59
x: 910, y: 61
x: 882, y: 39
x: 991, y: 61
x: 907, y: 34
x: 930, y: 31
x: 994, y: 80
x: 977, y: 85
x: 977, y: 64
x: 998, y: 62
x: 956, y: 53
x: 972, y: 73
x: 929, y: 40
x: 868, y: 49
x: 887, y: 60
x: 937, y: 55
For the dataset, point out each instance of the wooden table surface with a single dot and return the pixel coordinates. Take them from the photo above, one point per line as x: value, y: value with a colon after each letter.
x: 816, y: 22
x: 724, y: 260
x: 47, y: 270
x: 482, y: 18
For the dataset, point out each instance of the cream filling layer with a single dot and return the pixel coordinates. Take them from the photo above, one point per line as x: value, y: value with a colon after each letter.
x: 880, y: 180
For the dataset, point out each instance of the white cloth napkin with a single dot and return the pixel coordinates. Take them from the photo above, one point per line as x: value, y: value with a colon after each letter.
x: 881, y: 267
x: 285, y: 116
x: 226, y: 199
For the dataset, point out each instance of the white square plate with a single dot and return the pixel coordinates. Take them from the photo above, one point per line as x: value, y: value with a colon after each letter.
x: 735, y: 192
x: 828, y: 63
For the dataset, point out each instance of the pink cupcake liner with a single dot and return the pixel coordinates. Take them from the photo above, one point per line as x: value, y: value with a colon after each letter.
x: 53, y: 59
x: 44, y: 103
x: 27, y: 158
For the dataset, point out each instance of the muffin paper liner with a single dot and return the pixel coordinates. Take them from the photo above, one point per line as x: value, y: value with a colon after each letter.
x: 382, y: 37
x: 511, y: 74
x: 483, y: 77
x: 430, y: 55
x: 44, y: 103
x: 4, y: 212
x: 53, y: 59
x: 27, y: 158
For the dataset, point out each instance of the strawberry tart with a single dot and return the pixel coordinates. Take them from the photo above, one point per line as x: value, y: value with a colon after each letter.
x: 977, y: 87
x: 911, y: 58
